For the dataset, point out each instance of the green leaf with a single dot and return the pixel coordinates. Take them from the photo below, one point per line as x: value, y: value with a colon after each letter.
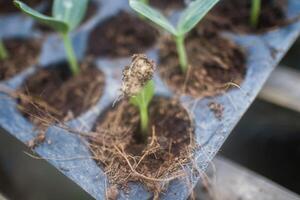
x: 193, y: 14
x: 56, y: 24
x: 149, y: 92
x: 153, y: 15
x: 70, y: 11
x: 145, y: 96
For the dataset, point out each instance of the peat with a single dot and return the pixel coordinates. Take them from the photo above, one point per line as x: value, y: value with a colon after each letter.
x: 121, y: 35
x: 234, y: 15
x: 214, y: 62
x: 168, y: 147
x: 54, y: 95
x: 23, y: 53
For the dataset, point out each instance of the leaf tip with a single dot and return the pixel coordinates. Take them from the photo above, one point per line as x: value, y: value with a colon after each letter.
x: 17, y: 3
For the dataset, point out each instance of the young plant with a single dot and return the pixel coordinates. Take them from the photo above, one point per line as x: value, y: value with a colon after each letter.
x: 145, y: 1
x: 139, y: 87
x: 190, y: 17
x: 3, y: 51
x: 255, y: 12
x: 66, y: 16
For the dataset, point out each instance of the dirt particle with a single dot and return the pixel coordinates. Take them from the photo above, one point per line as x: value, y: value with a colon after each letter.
x: 112, y: 193
x: 39, y: 139
x: 217, y: 109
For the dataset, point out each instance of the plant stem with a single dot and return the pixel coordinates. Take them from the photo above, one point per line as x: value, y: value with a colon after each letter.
x: 181, y: 53
x: 3, y: 51
x: 255, y: 12
x: 145, y: 1
x: 70, y: 54
x: 144, y: 115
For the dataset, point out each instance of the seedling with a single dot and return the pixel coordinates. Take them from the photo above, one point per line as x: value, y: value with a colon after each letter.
x: 145, y: 1
x: 66, y: 16
x: 3, y: 51
x: 255, y: 12
x: 139, y: 87
x: 190, y: 17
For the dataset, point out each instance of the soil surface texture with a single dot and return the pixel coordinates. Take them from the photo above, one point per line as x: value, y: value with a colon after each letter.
x: 121, y: 35
x: 22, y: 53
x: 215, y: 64
x: 116, y: 143
x: 52, y: 94
x: 234, y: 15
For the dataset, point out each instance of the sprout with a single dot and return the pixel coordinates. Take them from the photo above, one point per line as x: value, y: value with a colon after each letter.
x: 145, y: 1
x: 188, y: 20
x: 66, y: 16
x: 139, y: 87
x: 3, y: 51
x: 255, y: 12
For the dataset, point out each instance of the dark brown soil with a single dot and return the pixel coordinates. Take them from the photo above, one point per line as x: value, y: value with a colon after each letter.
x: 121, y: 35
x: 7, y: 6
x: 53, y: 94
x: 167, y: 4
x: 214, y: 62
x: 91, y: 11
x: 169, y: 141
x: 23, y: 53
x: 234, y: 15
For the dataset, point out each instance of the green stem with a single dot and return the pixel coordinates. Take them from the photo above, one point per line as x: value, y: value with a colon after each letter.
x: 181, y: 53
x: 145, y: 1
x: 70, y: 54
x: 144, y: 115
x: 3, y: 51
x: 255, y: 12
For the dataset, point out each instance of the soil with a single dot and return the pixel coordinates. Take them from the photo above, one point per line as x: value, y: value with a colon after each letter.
x: 215, y: 63
x: 121, y: 35
x: 23, y: 53
x: 234, y: 15
x: 168, y: 146
x: 167, y: 4
x: 52, y: 94
x: 91, y: 11
x: 7, y: 6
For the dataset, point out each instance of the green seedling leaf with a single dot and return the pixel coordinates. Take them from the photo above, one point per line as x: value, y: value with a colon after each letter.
x: 153, y: 15
x: 56, y: 24
x: 144, y: 98
x: 142, y: 101
x: 67, y: 15
x: 69, y: 11
x: 191, y: 16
